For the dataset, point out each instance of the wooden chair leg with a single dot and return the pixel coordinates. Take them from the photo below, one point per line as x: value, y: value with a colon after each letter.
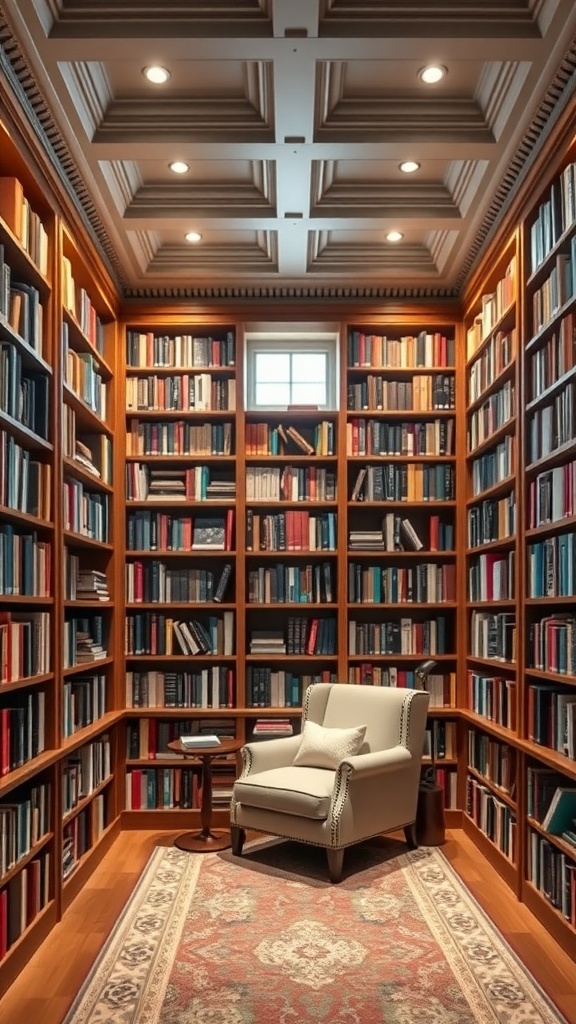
x: 335, y: 863
x: 410, y: 836
x: 238, y: 836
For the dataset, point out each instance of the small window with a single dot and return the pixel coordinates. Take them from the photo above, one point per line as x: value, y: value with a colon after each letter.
x: 291, y: 371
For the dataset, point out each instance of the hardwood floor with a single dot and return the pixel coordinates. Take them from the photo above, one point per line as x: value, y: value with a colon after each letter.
x: 45, y: 989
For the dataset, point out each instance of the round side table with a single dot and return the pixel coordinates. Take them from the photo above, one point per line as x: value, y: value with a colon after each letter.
x: 206, y: 840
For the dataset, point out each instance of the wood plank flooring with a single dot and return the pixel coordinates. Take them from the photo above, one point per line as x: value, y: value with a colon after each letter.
x: 45, y: 989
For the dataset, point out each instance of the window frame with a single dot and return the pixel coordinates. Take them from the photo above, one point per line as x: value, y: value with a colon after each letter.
x: 278, y: 342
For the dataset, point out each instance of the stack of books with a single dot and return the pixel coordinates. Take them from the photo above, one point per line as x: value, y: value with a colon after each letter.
x: 267, y: 642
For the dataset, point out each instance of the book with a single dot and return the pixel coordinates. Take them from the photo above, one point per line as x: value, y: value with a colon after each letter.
x: 561, y: 812
x: 198, y: 742
x: 223, y: 582
x: 209, y: 533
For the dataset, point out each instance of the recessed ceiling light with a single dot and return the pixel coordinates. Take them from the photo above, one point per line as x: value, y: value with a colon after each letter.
x: 394, y: 236
x: 179, y: 167
x: 432, y: 73
x: 156, y: 74
x: 193, y: 236
x: 409, y: 166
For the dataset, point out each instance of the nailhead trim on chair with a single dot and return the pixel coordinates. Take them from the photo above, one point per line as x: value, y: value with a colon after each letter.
x: 404, y: 736
x: 342, y: 781
x: 306, y: 705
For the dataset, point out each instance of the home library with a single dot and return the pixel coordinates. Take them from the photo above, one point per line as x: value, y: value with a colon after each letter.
x: 148, y: 517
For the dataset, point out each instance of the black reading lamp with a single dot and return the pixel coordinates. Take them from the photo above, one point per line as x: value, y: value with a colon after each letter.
x: 423, y: 670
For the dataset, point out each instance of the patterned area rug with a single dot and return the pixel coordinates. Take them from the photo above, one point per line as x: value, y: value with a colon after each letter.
x: 210, y: 939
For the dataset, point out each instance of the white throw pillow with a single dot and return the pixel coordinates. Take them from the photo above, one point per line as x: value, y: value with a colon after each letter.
x: 326, y: 748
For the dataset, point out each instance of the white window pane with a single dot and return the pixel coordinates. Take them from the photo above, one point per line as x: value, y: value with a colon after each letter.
x: 308, y: 394
x: 272, y: 366
x: 272, y: 394
x: 308, y: 366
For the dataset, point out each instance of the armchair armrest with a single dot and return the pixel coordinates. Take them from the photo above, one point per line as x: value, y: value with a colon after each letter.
x: 267, y: 754
x: 365, y: 765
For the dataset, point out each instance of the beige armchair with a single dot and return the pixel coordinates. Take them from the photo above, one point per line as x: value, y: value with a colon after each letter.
x: 354, y: 778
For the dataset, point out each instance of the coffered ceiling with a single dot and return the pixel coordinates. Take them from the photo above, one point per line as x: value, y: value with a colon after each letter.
x: 293, y: 117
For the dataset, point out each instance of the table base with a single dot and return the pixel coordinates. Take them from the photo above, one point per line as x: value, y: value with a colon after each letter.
x: 198, y: 842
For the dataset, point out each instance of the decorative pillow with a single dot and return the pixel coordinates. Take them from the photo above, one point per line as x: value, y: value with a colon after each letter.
x: 326, y: 748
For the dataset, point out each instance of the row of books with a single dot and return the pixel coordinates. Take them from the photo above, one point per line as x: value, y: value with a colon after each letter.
x: 149, y: 738
x: 556, y: 290
x: 151, y: 633
x: 552, y: 644
x: 186, y: 392
x: 494, y: 760
x: 493, y: 817
x: 22, y: 899
x: 83, y: 702
x: 493, y: 635
x: 422, y: 393
x: 494, y: 466
x: 424, y: 349
x: 398, y: 533
x: 24, y: 395
x: 144, y: 348
x: 266, y: 439
x: 25, y: 482
x: 292, y: 584
x: 553, y: 875
x: 492, y: 519
x: 552, y: 717
x: 78, y: 304
x: 440, y: 739
x: 22, y: 729
x: 494, y: 359
x: 23, y: 823
x: 148, y: 789
x: 85, y: 512
x: 551, y: 567
x: 82, y: 375
x: 494, y: 697
x: 550, y: 799
x: 291, y: 483
x: 162, y: 531
x: 277, y: 688
x: 25, y: 564
x: 406, y: 636
x: 409, y: 481
x: 179, y: 437
x: 552, y: 495
x: 198, y: 483
x: 553, y: 425
x: 491, y: 577
x: 211, y: 687
x: 24, y: 222
x: 556, y: 213
x: 77, y: 836
x: 378, y: 437
x: 293, y: 530
x: 153, y: 581
x: 25, y: 640
x: 426, y: 583
x: 494, y: 412
x: 493, y: 306
x: 553, y: 359
x: 21, y: 307
x: 84, y: 771
x: 302, y: 635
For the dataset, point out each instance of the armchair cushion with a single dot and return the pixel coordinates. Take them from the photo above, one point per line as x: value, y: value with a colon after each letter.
x: 305, y: 792
x: 326, y: 748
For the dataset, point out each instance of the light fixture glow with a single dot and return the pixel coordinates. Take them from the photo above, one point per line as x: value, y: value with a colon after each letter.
x: 432, y: 73
x: 179, y: 167
x: 409, y: 166
x: 193, y: 236
x: 156, y: 74
x: 394, y: 236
